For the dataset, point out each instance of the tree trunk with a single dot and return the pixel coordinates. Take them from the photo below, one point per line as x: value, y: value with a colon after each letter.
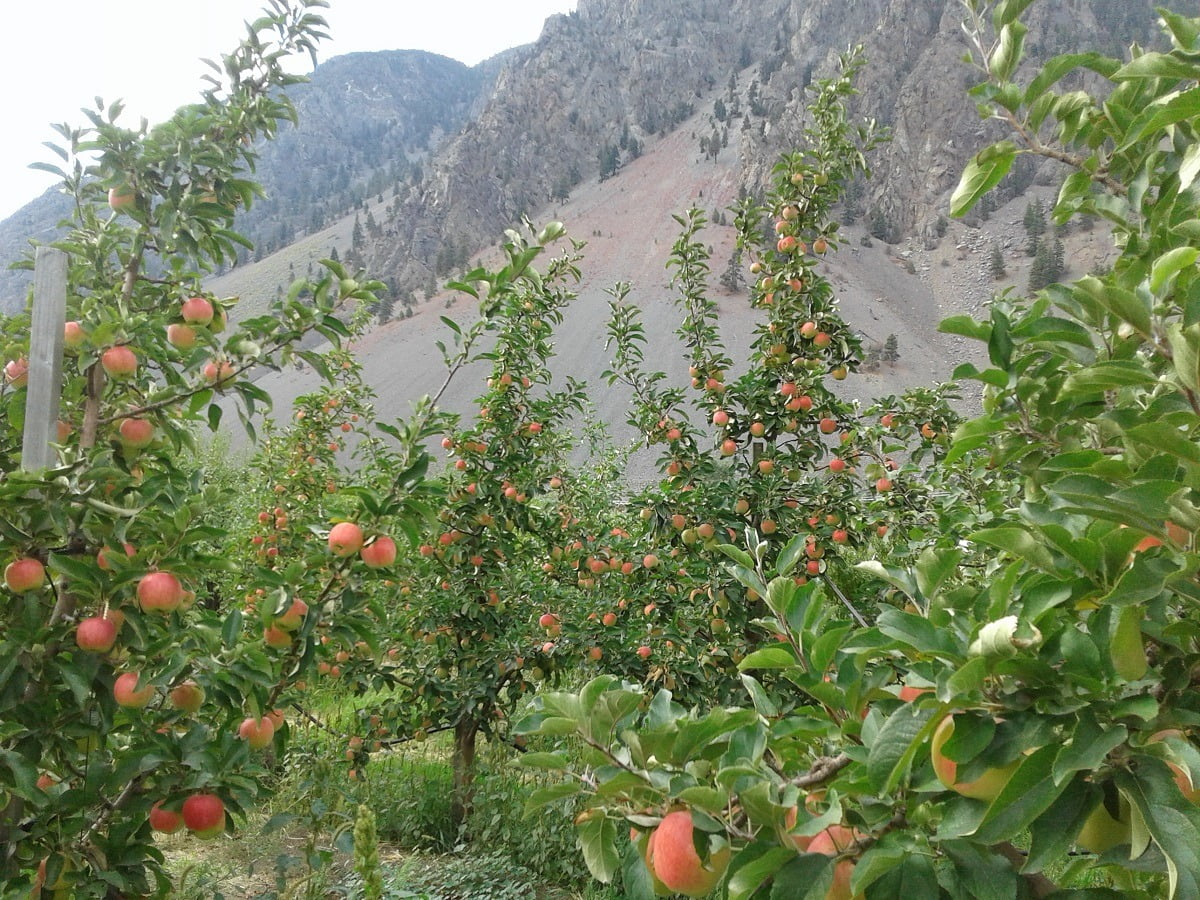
x: 464, y: 770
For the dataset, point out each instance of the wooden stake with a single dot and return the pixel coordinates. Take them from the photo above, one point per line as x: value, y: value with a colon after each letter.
x: 45, y: 358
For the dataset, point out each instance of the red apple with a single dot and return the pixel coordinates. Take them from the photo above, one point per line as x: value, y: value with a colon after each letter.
x: 293, y: 617
x: 187, y: 696
x: 345, y: 539
x: 181, y: 336
x: 121, y: 198
x: 127, y: 692
x: 159, y: 592
x: 987, y: 787
x: 165, y: 820
x: 16, y: 372
x: 217, y: 372
x: 380, y: 552
x: 257, y: 732
x: 119, y: 362
x: 73, y: 335
x: 24, y: 574
x: 644, y: 651
x: 672, y: 858
x: 96, y: 634
x: 204, y: 815
x: 136, y: 433
x: 197, y: 311
x: 276, y: 637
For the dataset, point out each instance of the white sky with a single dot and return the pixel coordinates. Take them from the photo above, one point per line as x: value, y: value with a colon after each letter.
x: 59, y: 54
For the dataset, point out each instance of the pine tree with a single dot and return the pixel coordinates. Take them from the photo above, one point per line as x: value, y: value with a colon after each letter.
x: 996, y: 266
x: 731, y: 278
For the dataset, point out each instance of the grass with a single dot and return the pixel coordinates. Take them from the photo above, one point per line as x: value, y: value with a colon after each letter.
x: 302, y: 845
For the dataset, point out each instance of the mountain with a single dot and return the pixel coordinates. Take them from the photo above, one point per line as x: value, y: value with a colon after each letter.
x: 621, y: 114
x: 367, y: 122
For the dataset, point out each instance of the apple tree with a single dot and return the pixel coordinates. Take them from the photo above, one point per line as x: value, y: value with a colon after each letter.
x: 776, y: 450
x: 140, y: 693
x: 1026, y: 713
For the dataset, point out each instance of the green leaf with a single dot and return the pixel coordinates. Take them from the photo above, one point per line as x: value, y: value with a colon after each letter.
x: 551, y: 761
x: 1161, y: 114
x: 547, y: 795
x: 1189, y: 167
x: 1087, y: 746
x: 897, y: 578
x: 880, y: 858
x: 916, y: 631
x: 1107, y: 376
x: 231, y: 629
x: 1171, y: 263
x: 598, y: 838
x: 896, y: 744
x: 1020, y: 543
x: 914, y: 877
x: 1053, y: 833
x: 1157, y: 65
x: 982, y: 875
x: 1007, y: 54
x: 791, y: 554
x: 636, y: 883
x: 982, y: 174
x: 966, y: 326
x: 1185, y: 351
x: 1173, y: 822
x: 934, y: 566
x: 739, y: 556
x: 748, y: 578
x: 1007, y: 12
x: 1123, y: 304
x: 23, y: 773
x: 1165, y: 438
x: 768, y: 658
x: 763, y: 704
x: 749, y: 877
x: 1028, y: 794
x: 1056, y: 68
x: 703, y: 797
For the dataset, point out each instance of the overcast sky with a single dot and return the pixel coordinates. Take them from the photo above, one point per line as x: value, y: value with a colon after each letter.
x: 60, y: 54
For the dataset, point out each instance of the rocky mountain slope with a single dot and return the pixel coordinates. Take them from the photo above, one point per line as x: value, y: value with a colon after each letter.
x: 368, y: 122
x: 621, y: 114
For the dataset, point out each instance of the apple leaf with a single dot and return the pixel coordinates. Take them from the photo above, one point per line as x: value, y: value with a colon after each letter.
x: 751, y: 868
x: 896, y: 745
x: 1173, y: 822
x: 915, y: 877
x: 598, y: 838
x: 982, y: 174
x: 1028, y: 794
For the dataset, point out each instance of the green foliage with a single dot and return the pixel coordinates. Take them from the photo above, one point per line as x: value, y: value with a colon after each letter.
x: 1048, y: 607
x: 81, y: 772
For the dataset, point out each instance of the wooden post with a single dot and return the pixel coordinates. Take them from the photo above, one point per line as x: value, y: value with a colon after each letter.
x: 45, y: 358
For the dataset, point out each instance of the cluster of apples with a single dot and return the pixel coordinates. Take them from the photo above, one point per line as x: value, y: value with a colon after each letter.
x: 203, y: 814
x: 348, y: 538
